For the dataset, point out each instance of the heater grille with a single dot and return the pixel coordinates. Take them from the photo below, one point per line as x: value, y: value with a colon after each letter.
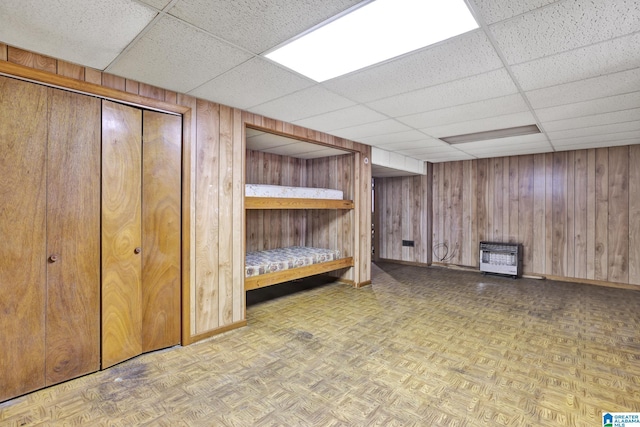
x: 501, y: 258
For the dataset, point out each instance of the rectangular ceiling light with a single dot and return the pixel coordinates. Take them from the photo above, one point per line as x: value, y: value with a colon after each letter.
x: 375, y: 32
x: 491, y: 134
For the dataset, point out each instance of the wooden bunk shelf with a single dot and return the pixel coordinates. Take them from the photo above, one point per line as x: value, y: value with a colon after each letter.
x: 262, y: 280
x: 294, y: 203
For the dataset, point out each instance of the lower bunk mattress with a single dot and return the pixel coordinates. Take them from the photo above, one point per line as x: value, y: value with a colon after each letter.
x: 272, y: 260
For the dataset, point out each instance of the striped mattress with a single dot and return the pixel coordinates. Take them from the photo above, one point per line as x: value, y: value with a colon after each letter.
x: 260, y: 190
x: 270, y: 261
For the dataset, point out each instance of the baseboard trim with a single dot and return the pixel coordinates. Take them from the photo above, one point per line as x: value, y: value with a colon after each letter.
x: 529, y: 275
x: 397, y: 261
x: 217, y: 331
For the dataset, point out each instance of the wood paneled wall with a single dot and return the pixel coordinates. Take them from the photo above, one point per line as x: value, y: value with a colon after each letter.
x: 577, y: 213
x: 270, y: 229
x: 328, y: 228
x: 402, y: 205
x: 219, y: 248
x: 214, y: 177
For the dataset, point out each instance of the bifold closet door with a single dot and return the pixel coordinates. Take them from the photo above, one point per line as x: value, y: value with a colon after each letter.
x: 23, y: 135
x: 141, y: 220
x: 161, y: 206
x: 49, y: 236
x: 121, y: 233
x: 73, y: 237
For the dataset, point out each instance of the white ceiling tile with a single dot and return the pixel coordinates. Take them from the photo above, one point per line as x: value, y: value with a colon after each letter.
x: 428, y: 143
x: 594, y: 139
x: 442, y: 149
x: 514, y: 149
x: 170, y: 55
x: 285, y: 146
x: 264, y: 140
x: 476, y: 110
x: 462, y: 56
x: 258, y: 25
x: 251, y: 83
x: 563, y: 26
x: 595, y: 130
x: 599, y: 59
x: 309, y: 102
x: 339, y: 119
x: 515, y: 152
x: 451, y: 156
x: 471, y: 89
x: 380, y: 140
x: 598, y: 144
x: 575, y: 59
x: 396, y: 146
x: 324, y: 152
x: 522, y: 142
x: 295, y: 149
x: 286, y: 150
x: 88, y: 33
x: 158, y: 4
x: 587, y: 108
x: 498, y: 10
x: 383, y: 127
x: 595, y: 120
x: 481, y: 125
x: 584, y: 90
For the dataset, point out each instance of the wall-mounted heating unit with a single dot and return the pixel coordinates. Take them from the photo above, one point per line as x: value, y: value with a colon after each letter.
x: 501, y: 258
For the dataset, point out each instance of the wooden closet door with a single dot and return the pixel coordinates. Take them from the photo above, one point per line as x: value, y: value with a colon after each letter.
x: 23, y: 136
x: 161, y: 207
x: 73, y: 237
x: 121, y: 233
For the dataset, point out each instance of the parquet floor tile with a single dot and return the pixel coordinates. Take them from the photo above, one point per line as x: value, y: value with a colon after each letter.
x: 419, y: 347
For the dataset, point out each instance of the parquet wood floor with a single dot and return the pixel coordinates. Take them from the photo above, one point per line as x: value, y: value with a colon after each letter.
x: 423, y: 347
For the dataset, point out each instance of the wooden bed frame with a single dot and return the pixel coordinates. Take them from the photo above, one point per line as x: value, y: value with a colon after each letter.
x: 295, y: 203
x: 268, y: 279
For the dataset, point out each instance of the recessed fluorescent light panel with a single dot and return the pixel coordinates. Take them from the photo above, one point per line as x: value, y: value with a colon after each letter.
x: 492, y: 134
x: 375, y: 32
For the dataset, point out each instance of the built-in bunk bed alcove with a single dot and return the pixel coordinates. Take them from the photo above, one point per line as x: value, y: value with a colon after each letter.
x: 300, y: 210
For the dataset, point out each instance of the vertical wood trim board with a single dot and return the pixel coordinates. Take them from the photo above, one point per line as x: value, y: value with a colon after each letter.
x: 225, y: 217
x: 207, y: 217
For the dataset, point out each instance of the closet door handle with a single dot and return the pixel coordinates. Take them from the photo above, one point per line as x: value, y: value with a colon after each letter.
x: 137, y: 250
x: 53, y: 258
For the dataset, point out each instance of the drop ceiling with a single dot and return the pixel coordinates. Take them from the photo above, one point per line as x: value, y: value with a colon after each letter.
x: 572, y: 67
x: 285, y: 146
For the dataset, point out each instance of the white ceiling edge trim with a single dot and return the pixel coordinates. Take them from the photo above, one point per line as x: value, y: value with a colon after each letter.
x: 389, y: 159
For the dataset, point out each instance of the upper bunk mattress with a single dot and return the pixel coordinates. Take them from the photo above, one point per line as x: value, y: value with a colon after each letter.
x: 270, y: 261
x: 263, y: 190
